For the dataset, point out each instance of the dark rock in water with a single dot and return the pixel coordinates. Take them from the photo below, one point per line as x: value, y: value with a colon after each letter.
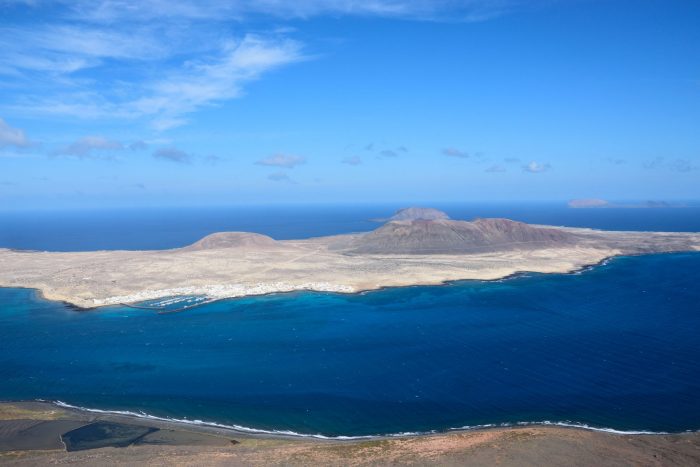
x: 412, y: 214
x: 232, y: 240
x: 457, y: 237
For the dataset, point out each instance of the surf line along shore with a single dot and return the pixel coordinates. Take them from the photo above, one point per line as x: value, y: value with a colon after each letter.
x: 162, y: 311
x: 416, y: 247
x: 203, y: 300
x: 79, y: 437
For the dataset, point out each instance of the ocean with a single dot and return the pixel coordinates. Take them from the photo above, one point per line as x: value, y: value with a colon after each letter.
x: 612, y: 347
x: 145, y: 229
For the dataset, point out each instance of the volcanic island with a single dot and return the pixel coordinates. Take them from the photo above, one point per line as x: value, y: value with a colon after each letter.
x: 417, y: 246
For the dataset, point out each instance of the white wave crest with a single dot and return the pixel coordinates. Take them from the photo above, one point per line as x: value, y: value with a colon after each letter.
x: 245, y: 429
x: 221, y: 291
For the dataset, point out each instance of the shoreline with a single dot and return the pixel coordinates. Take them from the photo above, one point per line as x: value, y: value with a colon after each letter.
x: 209, y: 300
x: 238, y: 264
x: 240, y: 429
x: 40, y: 433
x: 41, y: 295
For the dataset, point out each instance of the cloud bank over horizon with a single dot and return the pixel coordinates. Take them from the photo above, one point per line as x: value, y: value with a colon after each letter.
x: 354, y: 98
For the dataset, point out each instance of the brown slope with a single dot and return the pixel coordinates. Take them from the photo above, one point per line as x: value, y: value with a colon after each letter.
x: 412, y: 214
x: 233, y: 240
x: 457, y: 237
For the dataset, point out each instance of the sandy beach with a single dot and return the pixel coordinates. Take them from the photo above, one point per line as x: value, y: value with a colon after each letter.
x: 34, y: 433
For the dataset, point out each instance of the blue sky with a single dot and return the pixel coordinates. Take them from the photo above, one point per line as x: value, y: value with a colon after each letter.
x: 153, y: 102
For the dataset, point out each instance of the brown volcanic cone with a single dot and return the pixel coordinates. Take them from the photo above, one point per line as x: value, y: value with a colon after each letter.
x: 233, y: 240
x: 458, y: 237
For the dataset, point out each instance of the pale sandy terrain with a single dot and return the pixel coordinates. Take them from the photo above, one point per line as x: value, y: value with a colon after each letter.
x: 259, y: 265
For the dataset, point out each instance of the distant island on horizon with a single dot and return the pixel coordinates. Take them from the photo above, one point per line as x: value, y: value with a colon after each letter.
x: 416, y: 246
x: 589, y: 203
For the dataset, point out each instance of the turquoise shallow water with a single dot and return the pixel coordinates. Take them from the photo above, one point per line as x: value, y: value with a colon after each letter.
x: 616, y: 346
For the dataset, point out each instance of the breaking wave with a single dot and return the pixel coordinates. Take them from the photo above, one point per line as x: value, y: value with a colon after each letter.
x: 245, y: 429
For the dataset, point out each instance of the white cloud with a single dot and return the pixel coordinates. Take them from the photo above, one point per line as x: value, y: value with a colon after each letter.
x: 655, y: 163
x: 207, y: 82
x: 454, y: 152
x: 683, y: 165
x: 352, y: 160
x: 677, y: 165
x: 88, y: 146
x: 212, y: 159
x: 146, y: 10
x: 280, y: 177
x: 282, y: 160
x: 55, y: 50
x: 496, y: 168
x: 536, y: 167
x: 161, y: 60
x: 615, y: 160
x: 166, y: 100
x: 138, y: 145
x: 10, y: 136
x: 90, y: 41
x: 172, y: 155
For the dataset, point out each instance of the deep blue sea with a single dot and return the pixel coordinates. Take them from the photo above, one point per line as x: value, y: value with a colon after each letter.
x: 144, y: 229
x: 615, y: 346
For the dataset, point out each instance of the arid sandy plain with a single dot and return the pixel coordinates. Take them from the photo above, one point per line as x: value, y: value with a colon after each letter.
x: 235, y: 264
